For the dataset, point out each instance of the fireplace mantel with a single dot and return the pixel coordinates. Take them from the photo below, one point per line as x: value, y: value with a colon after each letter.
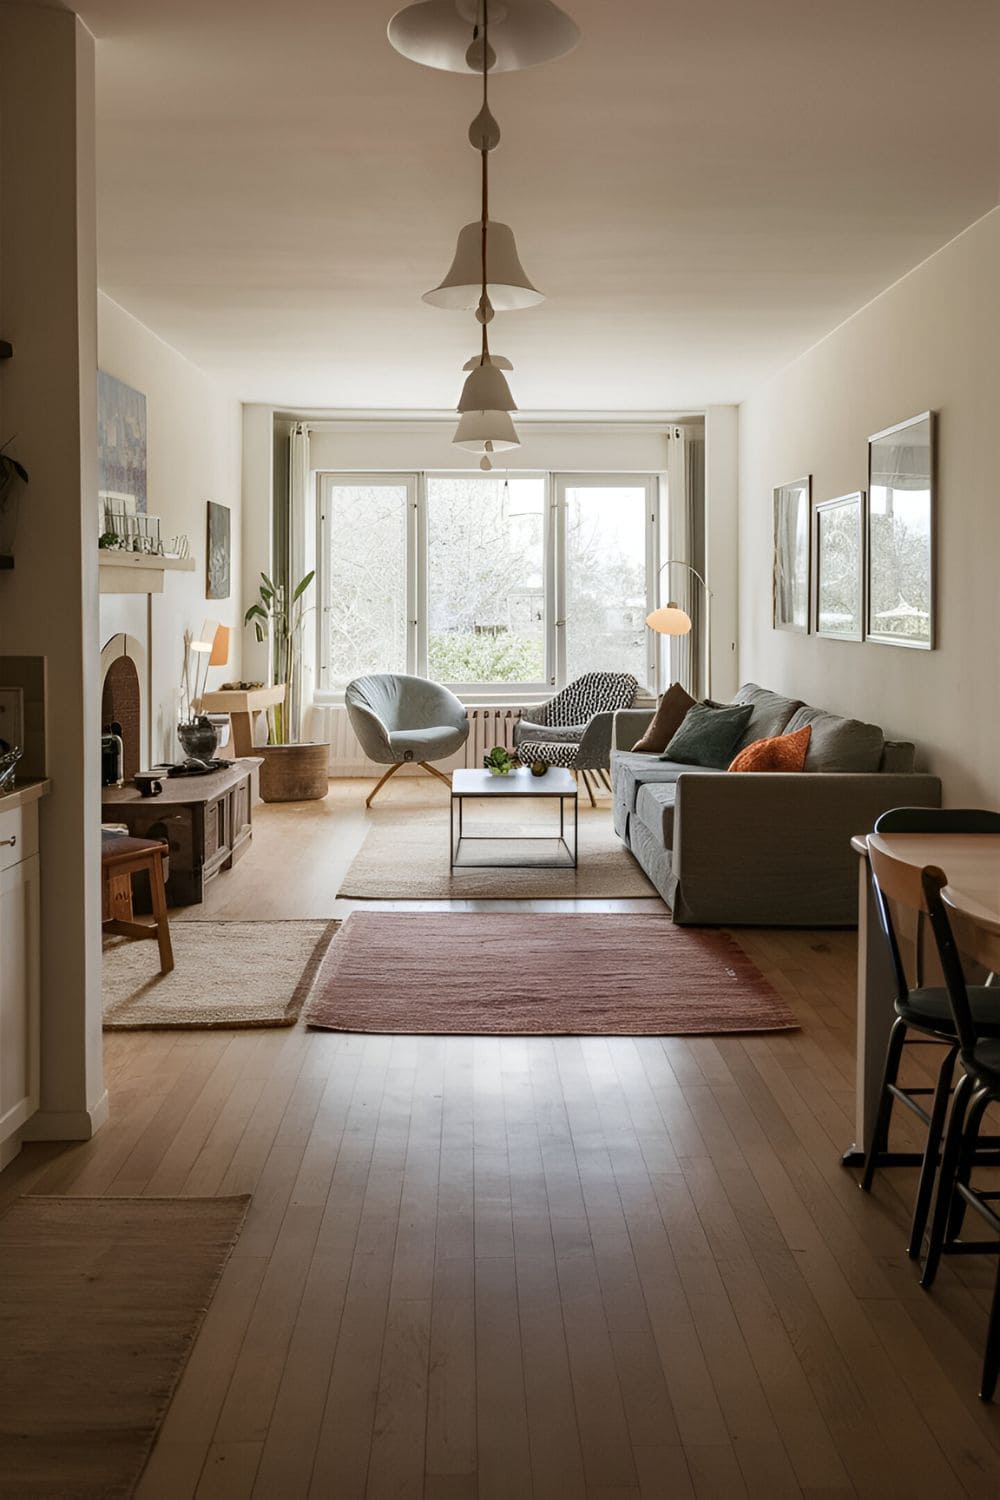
x: 137, y: 572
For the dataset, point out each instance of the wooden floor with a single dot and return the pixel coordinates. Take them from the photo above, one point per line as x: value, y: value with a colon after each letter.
x: 599, y: 1269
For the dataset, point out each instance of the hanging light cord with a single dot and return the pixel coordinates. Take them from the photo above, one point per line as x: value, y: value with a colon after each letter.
x: 484, y: 153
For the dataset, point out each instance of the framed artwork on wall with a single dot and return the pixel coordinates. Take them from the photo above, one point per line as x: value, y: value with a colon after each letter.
x: 838, y: 552
x: 217, y: 581
x: 792, y: 537
x: 121, y: 441
x: 900, y: 550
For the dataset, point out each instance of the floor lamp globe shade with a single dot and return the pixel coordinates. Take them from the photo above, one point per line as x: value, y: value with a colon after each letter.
x: 522, y: 33
x: 477, y: 428
x: 669, y: 620
x: 486, y: 389
x: 507, y: 284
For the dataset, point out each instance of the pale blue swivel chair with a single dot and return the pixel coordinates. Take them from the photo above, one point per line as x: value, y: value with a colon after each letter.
x: 400, y: 720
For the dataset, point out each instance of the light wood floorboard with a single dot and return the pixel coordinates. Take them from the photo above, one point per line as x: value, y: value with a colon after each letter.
x: 574, y: 1269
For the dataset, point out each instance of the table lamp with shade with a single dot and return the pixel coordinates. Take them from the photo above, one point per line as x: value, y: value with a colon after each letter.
x: 670, y: 620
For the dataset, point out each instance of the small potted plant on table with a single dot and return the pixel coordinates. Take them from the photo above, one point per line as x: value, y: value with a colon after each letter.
x: 499, y: 762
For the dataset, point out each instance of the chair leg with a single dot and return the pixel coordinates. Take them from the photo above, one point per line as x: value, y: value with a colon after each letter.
x: 604, y: 777
x: 963, y: 1171
x: 991, y: 1357
x: 381, y: 783
x: 590, y: 789
x: 946, y: 1180
x: 433, y: 771
x: 159, y: 900
x: 932, y: 1153
x: 883, y: 1115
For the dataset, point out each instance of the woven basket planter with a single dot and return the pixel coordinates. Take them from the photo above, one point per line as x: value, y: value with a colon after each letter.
x: 294, y: 773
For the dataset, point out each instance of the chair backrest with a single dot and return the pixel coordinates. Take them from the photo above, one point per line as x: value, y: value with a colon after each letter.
x: 593, y: 693
x: 951, y: 944
x: 938, y: 820
x: 901, y: 881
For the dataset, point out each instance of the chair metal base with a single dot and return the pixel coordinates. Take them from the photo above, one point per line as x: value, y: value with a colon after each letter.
x: 398, y: 766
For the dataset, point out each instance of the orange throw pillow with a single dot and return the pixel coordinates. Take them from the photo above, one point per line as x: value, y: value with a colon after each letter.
x: 785, y: 752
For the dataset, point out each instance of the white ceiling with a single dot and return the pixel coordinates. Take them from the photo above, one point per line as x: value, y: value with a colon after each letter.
x: 703, y: 189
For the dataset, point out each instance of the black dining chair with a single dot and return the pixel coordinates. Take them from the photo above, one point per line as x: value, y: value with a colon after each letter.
x: 923, y: 1013
x: 964, y: 935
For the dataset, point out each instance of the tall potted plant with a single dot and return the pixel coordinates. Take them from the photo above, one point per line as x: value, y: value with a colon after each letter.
x: 293, y: 770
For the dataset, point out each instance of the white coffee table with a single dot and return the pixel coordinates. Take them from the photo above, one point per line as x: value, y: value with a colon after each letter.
x: 557, y: 783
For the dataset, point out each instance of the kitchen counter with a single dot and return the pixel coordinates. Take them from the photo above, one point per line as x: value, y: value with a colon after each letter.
x: 29, y: 789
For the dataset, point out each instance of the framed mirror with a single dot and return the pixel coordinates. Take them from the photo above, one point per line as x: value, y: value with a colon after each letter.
x: 900, y: 592
x: 792, y: 537
x: 838, y: 550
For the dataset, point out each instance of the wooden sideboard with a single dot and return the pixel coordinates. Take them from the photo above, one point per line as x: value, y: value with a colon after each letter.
x: 206, y: 820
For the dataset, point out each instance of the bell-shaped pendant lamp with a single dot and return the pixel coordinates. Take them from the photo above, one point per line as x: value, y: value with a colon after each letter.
x: 500, y: 360
x: 522, y: 33
x: 507, y: 284
x: 486, y: 389
x: 486, y: 432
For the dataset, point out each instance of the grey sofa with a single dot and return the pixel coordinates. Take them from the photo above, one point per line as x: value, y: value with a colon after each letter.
x: 762, y: 848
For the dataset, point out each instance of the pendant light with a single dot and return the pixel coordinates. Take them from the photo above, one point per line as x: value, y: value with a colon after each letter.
x: 448, y: 34
x: 507, y: 283
x: 485, y: 424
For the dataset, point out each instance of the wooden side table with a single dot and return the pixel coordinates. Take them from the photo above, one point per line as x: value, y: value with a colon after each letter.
x: 242, y: 708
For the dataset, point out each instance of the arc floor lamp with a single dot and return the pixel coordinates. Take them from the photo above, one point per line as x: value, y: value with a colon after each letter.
x: 669, y: 619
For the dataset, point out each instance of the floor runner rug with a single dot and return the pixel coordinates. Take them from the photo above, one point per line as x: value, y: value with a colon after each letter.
x: 100, y: 1302
x: 547, y: 974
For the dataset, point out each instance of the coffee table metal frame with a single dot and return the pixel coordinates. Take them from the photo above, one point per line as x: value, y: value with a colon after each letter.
x: 520, y: 783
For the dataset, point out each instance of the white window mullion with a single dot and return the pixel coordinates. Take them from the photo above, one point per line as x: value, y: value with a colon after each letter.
x: 556, y: 590
x: 416, y: 567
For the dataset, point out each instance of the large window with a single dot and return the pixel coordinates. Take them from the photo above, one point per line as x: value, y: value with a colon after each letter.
x: 485, y: 581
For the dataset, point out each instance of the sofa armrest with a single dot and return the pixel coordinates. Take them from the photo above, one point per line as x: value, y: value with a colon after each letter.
x: 630, y: 724
x: 774, y: 848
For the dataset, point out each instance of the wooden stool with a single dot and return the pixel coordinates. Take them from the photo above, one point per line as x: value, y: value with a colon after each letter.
x: 121, y: 858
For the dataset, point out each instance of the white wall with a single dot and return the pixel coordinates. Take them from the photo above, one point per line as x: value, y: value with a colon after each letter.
x: 930, y: 341
x: 194, y: 455
x: 48, y: 603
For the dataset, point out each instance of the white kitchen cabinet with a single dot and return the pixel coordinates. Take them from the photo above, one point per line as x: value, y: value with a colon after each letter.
x: 19, y: 973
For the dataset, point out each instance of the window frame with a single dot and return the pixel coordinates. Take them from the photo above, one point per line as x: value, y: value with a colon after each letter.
x: 554, y: 564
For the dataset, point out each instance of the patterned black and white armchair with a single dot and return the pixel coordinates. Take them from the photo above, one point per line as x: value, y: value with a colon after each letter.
x: 574, y: 728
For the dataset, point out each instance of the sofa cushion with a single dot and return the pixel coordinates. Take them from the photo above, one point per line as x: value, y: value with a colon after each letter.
x: 770, y: 716
x: 630, y: 771
x: 783, y: 752
x: 898, y: 757
x: 709, y: 735
x: 666, y: 721
x: 654, y: 809
x: 838, y: 744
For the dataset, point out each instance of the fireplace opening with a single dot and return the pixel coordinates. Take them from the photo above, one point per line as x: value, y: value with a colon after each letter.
x: 121, y: 701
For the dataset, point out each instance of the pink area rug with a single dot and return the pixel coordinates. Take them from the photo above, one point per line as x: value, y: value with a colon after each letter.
x: 541, y: 973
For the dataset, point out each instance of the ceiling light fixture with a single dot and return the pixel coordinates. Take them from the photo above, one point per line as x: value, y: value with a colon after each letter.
x: 450, y: 34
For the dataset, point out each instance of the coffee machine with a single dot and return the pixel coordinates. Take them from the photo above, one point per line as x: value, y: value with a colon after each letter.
x: 112, y: 755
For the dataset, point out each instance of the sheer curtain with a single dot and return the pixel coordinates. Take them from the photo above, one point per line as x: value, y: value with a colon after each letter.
x: 685, y: 539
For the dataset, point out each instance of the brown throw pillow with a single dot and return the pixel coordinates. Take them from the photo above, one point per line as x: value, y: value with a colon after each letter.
x: 785, y: 752
x: 665, y: 722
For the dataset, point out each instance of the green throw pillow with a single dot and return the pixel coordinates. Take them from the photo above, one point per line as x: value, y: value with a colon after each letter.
x: 708, y: 735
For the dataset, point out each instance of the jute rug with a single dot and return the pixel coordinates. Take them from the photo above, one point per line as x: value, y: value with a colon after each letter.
x: 100, y: 1302
x: 406, y: 857
x: 225, y: 974
x: 539, y: 974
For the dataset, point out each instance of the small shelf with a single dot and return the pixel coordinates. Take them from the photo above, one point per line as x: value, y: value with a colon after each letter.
x: 137, y: 572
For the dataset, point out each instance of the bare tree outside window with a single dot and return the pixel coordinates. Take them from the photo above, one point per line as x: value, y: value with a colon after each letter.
x: 366, y: 580
x: 606, y: 595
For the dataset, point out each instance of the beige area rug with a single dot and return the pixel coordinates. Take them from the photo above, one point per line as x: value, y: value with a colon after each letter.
x: 541, y: 973
x: 100, y: 1302
x: 406, y: 857
x: 225, y: 974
